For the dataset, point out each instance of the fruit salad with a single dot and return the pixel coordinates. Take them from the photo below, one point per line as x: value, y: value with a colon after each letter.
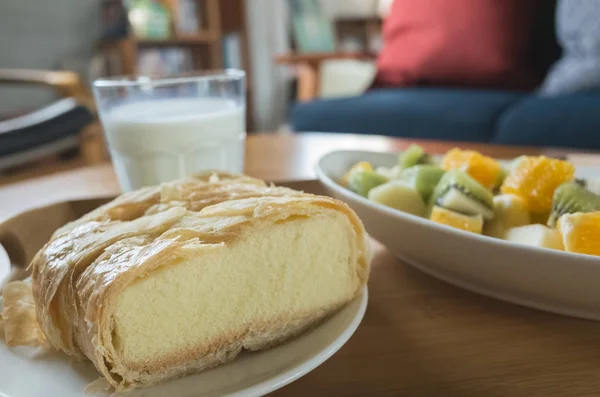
x: 533, y: 200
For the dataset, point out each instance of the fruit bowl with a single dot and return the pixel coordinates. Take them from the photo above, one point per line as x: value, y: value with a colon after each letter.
x: 555, y: 281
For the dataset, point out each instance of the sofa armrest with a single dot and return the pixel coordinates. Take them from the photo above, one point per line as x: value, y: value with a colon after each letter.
x: 309, y: 68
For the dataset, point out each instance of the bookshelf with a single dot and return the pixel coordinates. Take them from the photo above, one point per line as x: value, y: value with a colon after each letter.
x: 204, y: 45
x: 219, y: 41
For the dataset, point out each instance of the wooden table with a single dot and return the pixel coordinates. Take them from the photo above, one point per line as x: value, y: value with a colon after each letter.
x: 420, y: 336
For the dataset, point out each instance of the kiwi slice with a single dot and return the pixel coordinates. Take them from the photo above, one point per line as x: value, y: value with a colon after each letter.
x: 423, y: 178
x: 389, y: 173
x: 500, y: 180
x: 458, y: 191
x: 412, y: 156
x: 572, y: 197
x: 362, y: 181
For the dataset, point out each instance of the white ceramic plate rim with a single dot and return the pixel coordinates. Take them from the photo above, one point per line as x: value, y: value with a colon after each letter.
x: 5, y: 265
x: 327, y: 179
x: 287, y: 377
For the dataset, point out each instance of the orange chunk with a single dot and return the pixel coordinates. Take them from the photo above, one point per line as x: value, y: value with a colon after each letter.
x: 580, y: 232
x: 473, y: 224
x: 535, y: 179
x: 485, y: 170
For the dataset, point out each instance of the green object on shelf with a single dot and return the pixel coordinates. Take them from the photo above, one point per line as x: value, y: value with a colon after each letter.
x: 149, y: 19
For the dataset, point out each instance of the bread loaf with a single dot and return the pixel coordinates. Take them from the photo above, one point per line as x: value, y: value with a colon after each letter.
x: 178, y: 278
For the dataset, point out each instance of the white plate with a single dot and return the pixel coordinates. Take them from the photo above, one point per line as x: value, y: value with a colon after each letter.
x: 251, y: 374
x: 550, y: 280
x: 4, y: 265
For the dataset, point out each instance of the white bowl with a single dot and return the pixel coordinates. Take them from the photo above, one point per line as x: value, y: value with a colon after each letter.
x: 550, y: 280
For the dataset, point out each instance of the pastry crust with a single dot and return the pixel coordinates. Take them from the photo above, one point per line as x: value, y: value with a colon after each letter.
x: 20, y: 322
x: 81, y: 272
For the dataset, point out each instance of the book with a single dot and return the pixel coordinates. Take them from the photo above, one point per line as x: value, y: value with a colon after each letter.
x: 232, y: 51
x: 187, y: 17
x: 312, y: 30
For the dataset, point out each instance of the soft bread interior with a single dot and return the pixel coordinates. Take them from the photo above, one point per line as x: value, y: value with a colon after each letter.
x: 270, y: 276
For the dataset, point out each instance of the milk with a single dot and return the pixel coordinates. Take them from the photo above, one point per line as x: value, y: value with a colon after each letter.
x: 164, y: 139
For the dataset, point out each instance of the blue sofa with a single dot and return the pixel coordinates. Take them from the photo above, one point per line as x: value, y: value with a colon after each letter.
x: 504, y: 117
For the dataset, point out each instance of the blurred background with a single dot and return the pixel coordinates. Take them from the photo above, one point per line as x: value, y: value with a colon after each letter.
x: 521, y: 72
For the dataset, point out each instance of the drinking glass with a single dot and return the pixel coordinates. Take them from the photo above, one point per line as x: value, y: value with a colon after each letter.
x: 168, y: 127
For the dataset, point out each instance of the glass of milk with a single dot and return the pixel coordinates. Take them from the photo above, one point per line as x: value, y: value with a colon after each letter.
x: 163, y: 128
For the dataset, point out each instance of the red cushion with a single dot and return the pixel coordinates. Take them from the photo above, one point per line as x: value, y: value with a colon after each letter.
x: 470, y: 43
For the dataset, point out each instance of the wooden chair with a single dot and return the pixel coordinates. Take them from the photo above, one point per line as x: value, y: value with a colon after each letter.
x: 70, y: 122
